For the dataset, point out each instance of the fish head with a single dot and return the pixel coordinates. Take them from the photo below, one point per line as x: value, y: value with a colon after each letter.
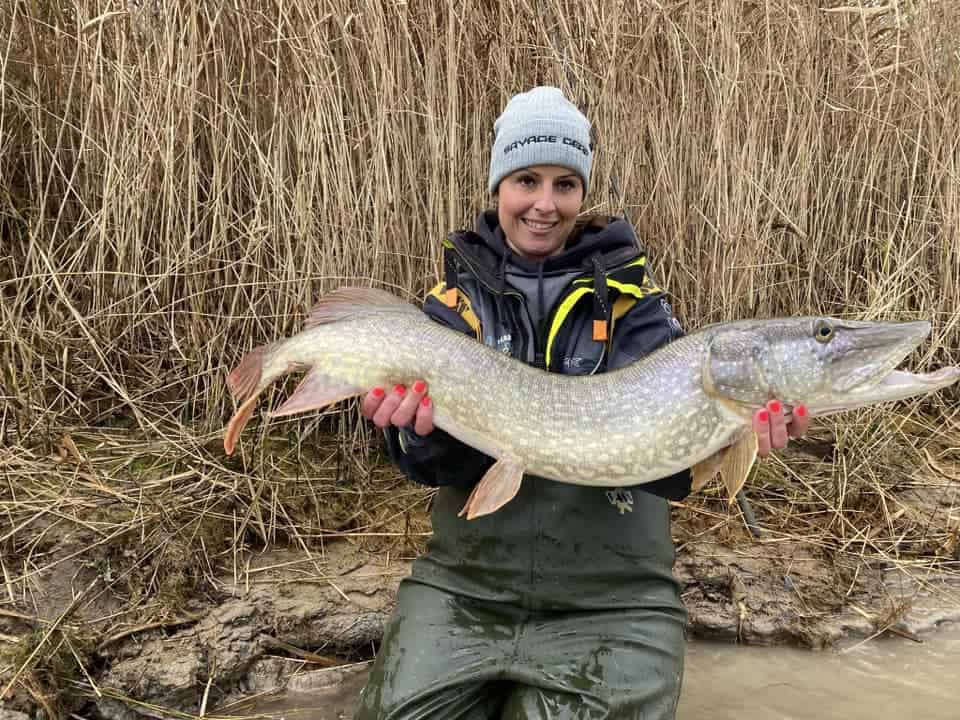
x: 825, y: 363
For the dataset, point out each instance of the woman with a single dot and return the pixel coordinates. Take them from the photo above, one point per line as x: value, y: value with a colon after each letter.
x: 561, y: 604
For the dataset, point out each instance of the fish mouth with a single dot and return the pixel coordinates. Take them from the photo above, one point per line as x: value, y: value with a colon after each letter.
x: 873, y: 352
x: 865, y: 370
x: 896, y: 385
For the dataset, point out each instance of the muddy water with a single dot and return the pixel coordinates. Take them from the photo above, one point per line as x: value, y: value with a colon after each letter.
x: 872, y: 681
x: 879, y: 680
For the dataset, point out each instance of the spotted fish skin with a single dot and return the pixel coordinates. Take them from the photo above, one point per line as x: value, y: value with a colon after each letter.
x: 664, y: 413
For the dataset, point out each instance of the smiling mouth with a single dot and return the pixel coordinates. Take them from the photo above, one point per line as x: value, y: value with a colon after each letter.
x: 539, y: 226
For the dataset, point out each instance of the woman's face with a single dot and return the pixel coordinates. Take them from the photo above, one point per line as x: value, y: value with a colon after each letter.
x: 537, y: 207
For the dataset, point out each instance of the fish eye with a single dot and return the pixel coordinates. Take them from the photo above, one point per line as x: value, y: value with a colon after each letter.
x: 823, y: 331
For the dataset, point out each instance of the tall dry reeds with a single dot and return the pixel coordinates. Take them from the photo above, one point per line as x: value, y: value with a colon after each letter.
x: 183, y: 178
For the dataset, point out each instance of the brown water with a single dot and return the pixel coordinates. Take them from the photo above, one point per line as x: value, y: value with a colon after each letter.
x: 881, y: 679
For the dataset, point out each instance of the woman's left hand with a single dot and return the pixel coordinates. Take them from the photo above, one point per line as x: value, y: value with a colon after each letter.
x: 772, y: 429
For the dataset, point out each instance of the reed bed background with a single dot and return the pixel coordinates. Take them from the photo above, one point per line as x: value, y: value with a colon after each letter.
x: 182, y: 179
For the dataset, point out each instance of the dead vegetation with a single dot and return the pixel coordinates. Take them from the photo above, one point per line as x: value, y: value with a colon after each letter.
x: 183, y: 179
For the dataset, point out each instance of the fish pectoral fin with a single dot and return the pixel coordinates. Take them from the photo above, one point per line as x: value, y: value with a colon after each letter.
x: 733, y: 463
x: 496, y: 488
x: 705, y: 470
x: 315, y: 391
x: 737, y: 462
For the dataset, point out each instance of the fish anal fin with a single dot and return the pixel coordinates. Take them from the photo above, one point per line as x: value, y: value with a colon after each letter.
x: 496, y: 488
x: 239, y: 420
x: 349, y: 302
x: 315, y: 391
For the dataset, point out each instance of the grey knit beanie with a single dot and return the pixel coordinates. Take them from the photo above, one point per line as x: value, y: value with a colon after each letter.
x: 540, y: 127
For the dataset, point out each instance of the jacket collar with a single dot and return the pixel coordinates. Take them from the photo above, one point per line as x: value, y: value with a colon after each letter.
x: 610, y: 238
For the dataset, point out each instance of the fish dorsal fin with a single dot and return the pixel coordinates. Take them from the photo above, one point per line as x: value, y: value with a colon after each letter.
x: 352, y: 302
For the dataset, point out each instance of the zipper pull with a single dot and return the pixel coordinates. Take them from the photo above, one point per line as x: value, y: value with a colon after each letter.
x: 601, y: 302
x: 600, y: 330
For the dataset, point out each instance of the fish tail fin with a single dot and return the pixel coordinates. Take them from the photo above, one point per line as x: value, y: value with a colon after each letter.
x: 245, y: 378
x: 244, y: 383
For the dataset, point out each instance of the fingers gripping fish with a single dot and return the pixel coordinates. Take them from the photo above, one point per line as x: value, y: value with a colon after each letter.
x: 687, y: 405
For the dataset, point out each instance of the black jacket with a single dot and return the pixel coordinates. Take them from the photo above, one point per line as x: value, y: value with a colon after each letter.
x: 555, y: 545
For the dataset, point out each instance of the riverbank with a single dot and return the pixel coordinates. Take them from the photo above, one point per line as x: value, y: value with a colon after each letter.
x: 147, y: 579
x: 292, y: 613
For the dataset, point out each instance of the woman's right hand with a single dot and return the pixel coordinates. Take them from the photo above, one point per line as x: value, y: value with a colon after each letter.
x: 401, y: 407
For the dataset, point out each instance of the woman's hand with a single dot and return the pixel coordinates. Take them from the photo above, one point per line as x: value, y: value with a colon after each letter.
x: 401, y: 407
x: 772, y: 429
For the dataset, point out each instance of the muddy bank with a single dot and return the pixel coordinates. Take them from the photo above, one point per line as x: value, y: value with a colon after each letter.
x: 267, y: 635
x: 776, y: 592
x: 297, y: 613
x: 148, y: 593
x: 293, y: 612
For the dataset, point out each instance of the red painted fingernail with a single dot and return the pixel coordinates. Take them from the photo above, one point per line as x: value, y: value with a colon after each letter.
x: 378, y: 392
x: 399, y: 389
x: 763, y: 416
x: 774, y: 406
x: 800, y: 411
x: 426, y: 401
x: 419, y: 386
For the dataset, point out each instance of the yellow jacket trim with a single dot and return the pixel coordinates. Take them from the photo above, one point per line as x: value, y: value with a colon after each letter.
x: 621, y: 306
x: 638, y: 291
x: 561, y: 315
x: 464, y: 308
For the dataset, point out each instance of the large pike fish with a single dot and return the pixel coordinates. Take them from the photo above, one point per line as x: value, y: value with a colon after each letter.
x: 688, y: 405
